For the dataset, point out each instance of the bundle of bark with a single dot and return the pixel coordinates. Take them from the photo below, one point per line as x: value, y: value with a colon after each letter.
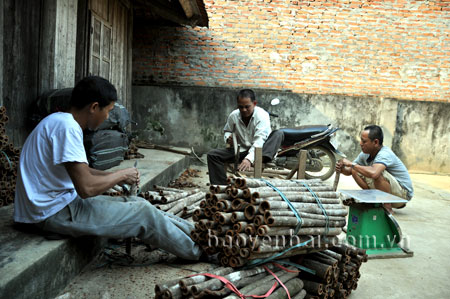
x: 179, y: 202
x: 255, y: 281
x: 115, y: 191
x: 184, y: 180
x: 336, y: 271
x: 331, y: 273
x: 247, y: 220
x: 132, y: 152
x: 9, y: 161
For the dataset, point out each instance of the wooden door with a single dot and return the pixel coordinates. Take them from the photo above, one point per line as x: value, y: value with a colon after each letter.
x: 100, y: 47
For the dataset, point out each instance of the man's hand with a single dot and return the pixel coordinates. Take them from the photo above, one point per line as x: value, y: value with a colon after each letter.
x: 230, y: 140
x: 245, y: 165
x: 341, y: 166
x: 89, y: 182
x: 132, y: 176
x: 347, y: 163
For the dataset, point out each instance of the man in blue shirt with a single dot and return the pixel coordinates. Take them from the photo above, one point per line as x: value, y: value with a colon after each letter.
x: 377, y: 167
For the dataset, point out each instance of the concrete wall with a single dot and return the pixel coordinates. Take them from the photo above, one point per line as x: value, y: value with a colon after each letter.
x: 390, y: 49
x: 420, y: 125
x: 419, y: 132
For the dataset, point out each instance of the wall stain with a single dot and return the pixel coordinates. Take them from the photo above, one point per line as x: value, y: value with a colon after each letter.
x: 198, y: 114
x: 154, y: 125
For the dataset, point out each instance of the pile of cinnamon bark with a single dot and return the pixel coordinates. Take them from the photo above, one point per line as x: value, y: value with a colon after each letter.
x: 332, y: 273
x: 254, y: 219
x: 9, y: 161
x: 181, y: 203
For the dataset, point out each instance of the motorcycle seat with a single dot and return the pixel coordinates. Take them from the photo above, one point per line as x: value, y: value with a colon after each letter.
x: 293, y: 135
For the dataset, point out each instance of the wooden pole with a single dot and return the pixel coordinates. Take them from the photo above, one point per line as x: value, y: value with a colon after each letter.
x: 302, y: 164
x: 258, y: 162
x: 336, y: 178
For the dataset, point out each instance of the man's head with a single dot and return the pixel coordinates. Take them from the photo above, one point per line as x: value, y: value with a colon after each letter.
x: 246, y: 102
x: 371, y: 139
x: 96, y: 96
x: 93, y: 89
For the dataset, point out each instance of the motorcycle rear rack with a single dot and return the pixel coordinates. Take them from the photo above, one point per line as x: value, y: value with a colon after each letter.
x: 300, y: 145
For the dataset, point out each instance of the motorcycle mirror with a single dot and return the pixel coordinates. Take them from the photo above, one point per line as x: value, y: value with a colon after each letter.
x: 275, y: 102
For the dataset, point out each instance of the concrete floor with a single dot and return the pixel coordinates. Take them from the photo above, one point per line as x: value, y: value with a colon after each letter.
x: 424, y: 222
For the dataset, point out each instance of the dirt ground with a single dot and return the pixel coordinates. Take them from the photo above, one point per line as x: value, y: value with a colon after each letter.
x: 424, y: 223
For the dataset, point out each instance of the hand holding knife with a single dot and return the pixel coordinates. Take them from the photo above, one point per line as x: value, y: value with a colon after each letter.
x: 134, y: 187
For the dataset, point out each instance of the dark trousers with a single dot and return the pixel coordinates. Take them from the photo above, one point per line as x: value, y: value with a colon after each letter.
x: 218, y: 157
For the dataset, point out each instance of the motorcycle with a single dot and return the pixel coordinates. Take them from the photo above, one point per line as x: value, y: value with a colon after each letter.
x: 317, y: 140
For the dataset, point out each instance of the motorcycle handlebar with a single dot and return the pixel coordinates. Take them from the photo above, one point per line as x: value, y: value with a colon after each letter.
x: 273, y: 114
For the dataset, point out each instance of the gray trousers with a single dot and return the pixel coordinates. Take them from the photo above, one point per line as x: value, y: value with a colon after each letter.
x: 218, y: 157
x: 124, y: 217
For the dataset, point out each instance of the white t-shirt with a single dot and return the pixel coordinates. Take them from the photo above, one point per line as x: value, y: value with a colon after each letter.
x: 251, y: 136
x: 44, y: 186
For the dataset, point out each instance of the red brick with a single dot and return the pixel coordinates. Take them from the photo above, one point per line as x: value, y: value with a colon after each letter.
x: 366, y: 47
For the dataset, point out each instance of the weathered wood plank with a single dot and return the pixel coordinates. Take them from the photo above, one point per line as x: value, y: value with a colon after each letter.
x: 258, y: 162
x: 57, y: 45
x: 101, y: 8
x: 113, y: 54
x: 65, y: 48
x: 301, y: 164
x: 47, y: 46
x: 20, y: 62
x: 121, y: 46
x: 82, y: 41
x: 129, y: 71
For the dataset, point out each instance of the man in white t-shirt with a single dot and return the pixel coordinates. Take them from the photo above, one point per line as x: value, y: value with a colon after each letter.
x: 252, y: 129
x: 58, y: 192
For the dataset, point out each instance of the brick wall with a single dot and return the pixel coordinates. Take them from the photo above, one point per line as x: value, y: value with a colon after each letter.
x: 379, y: 48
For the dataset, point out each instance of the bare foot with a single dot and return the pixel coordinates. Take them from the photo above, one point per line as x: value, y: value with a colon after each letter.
x: 401, y: 207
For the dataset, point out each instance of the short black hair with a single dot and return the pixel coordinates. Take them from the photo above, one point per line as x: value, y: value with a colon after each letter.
x: 375, y: 132
x: 246, y: 93
x: 93, y: 89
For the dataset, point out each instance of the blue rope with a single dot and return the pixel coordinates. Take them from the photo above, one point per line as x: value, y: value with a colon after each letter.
x: 299, y: 219
x: 7, y: 158
x: 319, y: 203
